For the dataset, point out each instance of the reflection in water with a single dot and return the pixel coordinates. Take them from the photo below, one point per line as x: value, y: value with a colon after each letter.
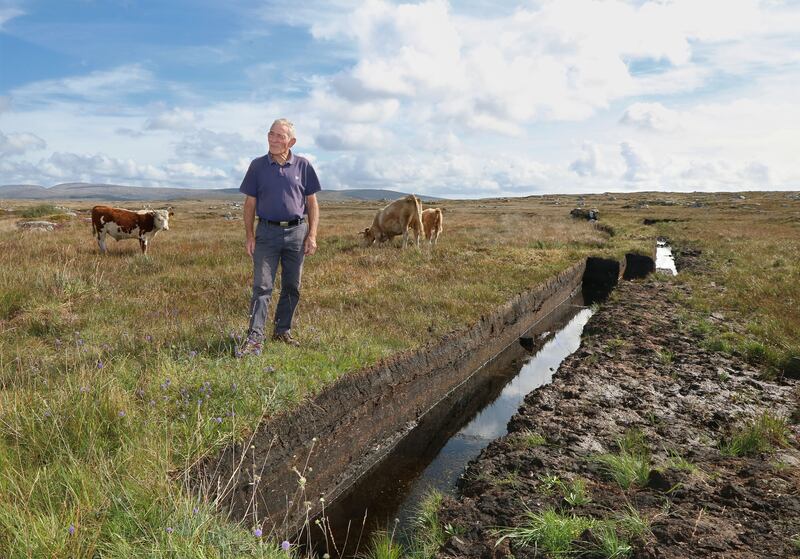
x: 454, y: 432
x: 665, y: 262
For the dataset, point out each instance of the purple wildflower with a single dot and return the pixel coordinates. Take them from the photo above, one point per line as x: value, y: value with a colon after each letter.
x: 149, y: 338
x: 121, y: 413
x: 169, y: 529
x: 257, y: 532
x: 47, y: 413
x: 84, y: 389
x: 71, y: 530
x: 195, y: 510
x: 192, y: 353
x: 285, y: 545
x: 234, y: 387
x: 99, y: 364
x: 58, y: 342
x: 218, y: 420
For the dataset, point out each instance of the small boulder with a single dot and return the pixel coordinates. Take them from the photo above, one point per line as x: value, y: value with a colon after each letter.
x: 37, y: 225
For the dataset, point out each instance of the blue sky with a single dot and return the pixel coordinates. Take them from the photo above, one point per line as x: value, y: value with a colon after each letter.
x: 459, y: 99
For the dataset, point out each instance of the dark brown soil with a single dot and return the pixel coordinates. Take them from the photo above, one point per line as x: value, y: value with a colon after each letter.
x: 641, y: 369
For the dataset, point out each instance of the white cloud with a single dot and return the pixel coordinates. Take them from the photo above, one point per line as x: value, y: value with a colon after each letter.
x: 175, y: 119
x: 194, y: 171
x: 588, y: 164
x: 650, y: 116
x: 7, y: 13
x: 108, y: 88
x: 207, y: 145
x: 17, y: 144
x: 354, y: 137
x: 638, y: 162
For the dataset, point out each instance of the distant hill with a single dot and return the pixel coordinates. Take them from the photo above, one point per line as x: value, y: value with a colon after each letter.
x: 115, y: 192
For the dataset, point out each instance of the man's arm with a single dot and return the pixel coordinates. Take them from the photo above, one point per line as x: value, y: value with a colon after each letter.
x: 310, y: 246
x: 249, y: 224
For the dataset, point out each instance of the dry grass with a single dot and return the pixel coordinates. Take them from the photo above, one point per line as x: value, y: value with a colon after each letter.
x: 118, y: 371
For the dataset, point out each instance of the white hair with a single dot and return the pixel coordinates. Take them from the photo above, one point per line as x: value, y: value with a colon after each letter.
x: 287, y: 123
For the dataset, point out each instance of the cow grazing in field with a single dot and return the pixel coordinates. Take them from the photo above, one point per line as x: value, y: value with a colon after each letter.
x: 127, y: 224
x: 395, y: 219
x: 432, y: 223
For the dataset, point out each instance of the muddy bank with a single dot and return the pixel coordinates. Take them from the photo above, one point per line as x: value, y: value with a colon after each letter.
x: 641, y: 372
x: 277, y: 478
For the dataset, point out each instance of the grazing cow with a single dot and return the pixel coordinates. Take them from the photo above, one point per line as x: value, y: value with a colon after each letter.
x: 126, y: 224
x: 395, y: 219
x: 432, y: 223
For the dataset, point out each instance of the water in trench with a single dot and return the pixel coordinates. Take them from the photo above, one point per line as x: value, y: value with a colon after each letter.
x: 436, y: 451
x: 665, y: 263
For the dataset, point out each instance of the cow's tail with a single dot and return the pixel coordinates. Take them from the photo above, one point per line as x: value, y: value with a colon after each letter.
x: 438, y: 220
x: 416, y: 222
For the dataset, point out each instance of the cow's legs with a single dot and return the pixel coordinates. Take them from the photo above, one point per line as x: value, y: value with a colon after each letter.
x: 101, y: 241
x: 143, y: 244
x: 405, y: 238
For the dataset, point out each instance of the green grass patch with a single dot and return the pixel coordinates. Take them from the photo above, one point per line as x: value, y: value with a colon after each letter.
x: 766, y: 433
x: 40, y: 210
x: 631, y: 465
x: 528, y: 439
x: 550, y: 531
x: 575, y: 492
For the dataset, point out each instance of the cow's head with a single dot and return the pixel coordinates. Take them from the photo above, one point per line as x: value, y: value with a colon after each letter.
x: 161, y: 219
x: 369, y: 238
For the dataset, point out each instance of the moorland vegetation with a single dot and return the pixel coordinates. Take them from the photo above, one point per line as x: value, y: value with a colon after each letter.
x: 119, y: 372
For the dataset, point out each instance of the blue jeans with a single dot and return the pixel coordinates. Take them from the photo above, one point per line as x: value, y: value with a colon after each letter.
x: 276, y: 245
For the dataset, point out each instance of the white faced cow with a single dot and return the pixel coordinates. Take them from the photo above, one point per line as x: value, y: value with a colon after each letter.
x: 432, y: 223
x: 127, y: 224
x: 395, y: 219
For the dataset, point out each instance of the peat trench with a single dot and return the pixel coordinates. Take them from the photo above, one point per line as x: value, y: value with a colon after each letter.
x: 641, y: 375
x: 299, y: 462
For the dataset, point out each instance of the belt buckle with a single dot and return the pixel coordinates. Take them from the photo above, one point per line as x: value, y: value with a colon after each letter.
x: 284, y: 224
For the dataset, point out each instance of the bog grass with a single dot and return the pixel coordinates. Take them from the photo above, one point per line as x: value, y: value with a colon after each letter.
x: 118, y: 372
x: 766, y: 433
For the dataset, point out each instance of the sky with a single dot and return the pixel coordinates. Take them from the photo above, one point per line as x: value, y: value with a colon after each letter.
x: 464, y: 99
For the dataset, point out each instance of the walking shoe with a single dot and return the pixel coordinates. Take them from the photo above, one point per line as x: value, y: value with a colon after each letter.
x: 286, y: 338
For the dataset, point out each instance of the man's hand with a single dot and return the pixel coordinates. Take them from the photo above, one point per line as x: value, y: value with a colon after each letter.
x: 310, y: 246
x: 250, y: 246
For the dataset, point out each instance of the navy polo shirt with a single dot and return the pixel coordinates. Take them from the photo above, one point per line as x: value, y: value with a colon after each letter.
x: 280, y: 190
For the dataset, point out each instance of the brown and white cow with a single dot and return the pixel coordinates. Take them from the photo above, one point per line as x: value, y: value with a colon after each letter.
x: 395, y: 219
x: 126, y: 224
x: 432, y: 223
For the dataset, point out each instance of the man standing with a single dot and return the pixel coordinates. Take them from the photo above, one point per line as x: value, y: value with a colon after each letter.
x: 280, y: 188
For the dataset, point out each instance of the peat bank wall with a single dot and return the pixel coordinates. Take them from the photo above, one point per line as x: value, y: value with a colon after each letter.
x: 318, y: 449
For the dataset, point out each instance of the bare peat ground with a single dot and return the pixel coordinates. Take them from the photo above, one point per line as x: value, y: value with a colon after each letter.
x: 641, y: 371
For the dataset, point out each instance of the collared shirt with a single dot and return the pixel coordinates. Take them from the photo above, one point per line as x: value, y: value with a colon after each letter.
x: 280, y: 190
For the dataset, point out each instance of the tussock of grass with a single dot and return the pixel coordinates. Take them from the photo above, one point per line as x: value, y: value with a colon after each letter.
x: 631, y: 466
x: 633, y: 523
x: 528, y: 439
x: 562, y: 535
x: 765, y: 434
x: 575, y: 492
x: 549, y: 531
x: 40, y: 210
x: 626, y: 469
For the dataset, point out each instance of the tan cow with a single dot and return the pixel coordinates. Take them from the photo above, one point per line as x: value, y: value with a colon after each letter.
x: 395, y: 219
x: 127, y: 224
x: 432, y: 223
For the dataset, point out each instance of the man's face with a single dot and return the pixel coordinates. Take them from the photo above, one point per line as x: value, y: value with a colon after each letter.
x: 279, y: 141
